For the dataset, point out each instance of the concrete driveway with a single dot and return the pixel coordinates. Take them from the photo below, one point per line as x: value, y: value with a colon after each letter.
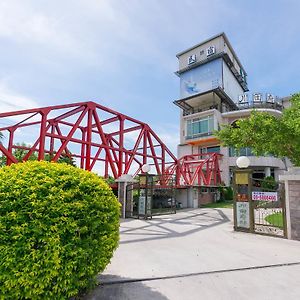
x: 195, y: 254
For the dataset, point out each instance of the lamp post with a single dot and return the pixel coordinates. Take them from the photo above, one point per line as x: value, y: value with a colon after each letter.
x: 243, y: 216
x: 243, y: 162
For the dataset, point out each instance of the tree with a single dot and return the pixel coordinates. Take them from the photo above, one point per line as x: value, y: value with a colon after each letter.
x: 266, y: 133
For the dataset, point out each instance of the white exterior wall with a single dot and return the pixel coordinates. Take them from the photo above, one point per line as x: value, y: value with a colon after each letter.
x: 184, y: 150
x: 231, y: 86
x: 182, y: 197
x: 218, y: 43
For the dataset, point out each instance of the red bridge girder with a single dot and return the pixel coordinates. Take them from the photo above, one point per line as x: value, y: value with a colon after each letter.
x: 197, y: 170
x: 100, y: 139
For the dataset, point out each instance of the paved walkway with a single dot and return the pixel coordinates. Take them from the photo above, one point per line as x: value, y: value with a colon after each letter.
x: 195, y: 254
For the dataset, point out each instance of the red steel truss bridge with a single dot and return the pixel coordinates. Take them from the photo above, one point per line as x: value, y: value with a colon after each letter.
x: 99, y: 139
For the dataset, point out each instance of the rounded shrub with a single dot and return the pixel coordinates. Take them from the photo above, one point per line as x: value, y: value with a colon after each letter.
x: 59, y: 226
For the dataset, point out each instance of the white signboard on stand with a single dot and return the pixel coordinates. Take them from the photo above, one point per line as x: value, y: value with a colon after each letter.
x: 243, y: 214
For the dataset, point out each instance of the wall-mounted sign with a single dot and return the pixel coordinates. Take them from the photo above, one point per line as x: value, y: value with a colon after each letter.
x: 243, y: 99
x: 242, y: 214
x: 192, y: 59
x: 264, y: 196
x: 142, y: 205
x: 270, y: 98
x: 241, y: 178
x: 257, y: 98
x: 210, y: 50
x: 201, y: 79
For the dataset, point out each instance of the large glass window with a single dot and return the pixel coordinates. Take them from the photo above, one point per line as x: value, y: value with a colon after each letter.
x: 211, y: 149
x: 242, y: 152
x: 200, y: 127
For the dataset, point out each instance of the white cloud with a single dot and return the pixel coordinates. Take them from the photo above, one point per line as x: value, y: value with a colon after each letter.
x: 11, y: 101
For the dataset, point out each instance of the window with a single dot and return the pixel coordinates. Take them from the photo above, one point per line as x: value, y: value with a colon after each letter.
x: 242, y: 151
x: 212, y: 149
x: 200, y: 127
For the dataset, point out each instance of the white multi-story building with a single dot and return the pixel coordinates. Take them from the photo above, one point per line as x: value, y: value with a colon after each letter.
x: 213, y: 91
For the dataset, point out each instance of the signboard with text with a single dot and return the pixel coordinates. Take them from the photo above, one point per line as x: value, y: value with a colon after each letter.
x: 264, y: 196
x: 242, y: 215
x: 142, y: 205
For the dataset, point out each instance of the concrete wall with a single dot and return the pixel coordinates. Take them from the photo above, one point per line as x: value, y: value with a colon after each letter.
x: 221, y: 46
x: 231, y: 87
x: 182, y: 197
x: 200, y: 51
x: 294, y: 208
x: 292, y: 192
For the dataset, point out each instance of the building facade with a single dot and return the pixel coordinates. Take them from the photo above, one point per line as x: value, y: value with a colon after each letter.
x: 214, y: 91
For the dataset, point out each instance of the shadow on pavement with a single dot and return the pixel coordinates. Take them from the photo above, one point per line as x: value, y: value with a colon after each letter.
x: 173, y: 226
x: 110, y: 289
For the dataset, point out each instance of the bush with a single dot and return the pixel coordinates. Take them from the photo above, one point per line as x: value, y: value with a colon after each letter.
x: 58, y: 229
x: 268, y: 183
x: 226, y: 193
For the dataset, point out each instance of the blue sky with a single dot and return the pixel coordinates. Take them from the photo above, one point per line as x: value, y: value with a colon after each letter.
x: 121, y: 54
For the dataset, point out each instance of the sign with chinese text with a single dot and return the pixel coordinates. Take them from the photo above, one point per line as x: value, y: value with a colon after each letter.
x: 210, y: 50
x: 192, y: 59
x: 257, y: 98
x: 264, y: 196
x: 243, y: 99
x: 142, y: 205
x: 242, y: 215
x: 270, y: 98
x: 241, y: 178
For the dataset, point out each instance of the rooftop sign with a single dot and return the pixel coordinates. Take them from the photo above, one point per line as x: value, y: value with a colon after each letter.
x: 258, y: 98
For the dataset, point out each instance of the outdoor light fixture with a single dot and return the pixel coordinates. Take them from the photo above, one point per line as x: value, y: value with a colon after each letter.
x: 243, y: 162
x: 146, y: 168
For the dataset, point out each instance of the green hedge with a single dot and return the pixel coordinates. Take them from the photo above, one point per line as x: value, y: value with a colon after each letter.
x: 59, y: 226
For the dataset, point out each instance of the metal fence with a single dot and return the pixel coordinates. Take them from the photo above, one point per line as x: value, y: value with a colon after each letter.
x: 150, y: 196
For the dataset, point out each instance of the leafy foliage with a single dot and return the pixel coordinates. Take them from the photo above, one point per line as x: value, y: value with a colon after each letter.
x: 226, y: 193
x: 58, y: 229
x: 268, y: 184
x: 109, y: 180
x: 266, y: 133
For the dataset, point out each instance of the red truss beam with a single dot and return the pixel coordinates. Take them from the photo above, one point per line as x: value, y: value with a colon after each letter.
x: 102, y: 140
x: 196, y: 170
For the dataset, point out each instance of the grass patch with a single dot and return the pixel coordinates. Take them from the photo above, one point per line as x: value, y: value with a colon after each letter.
x: 222, y: 204
x: 275, y: 219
